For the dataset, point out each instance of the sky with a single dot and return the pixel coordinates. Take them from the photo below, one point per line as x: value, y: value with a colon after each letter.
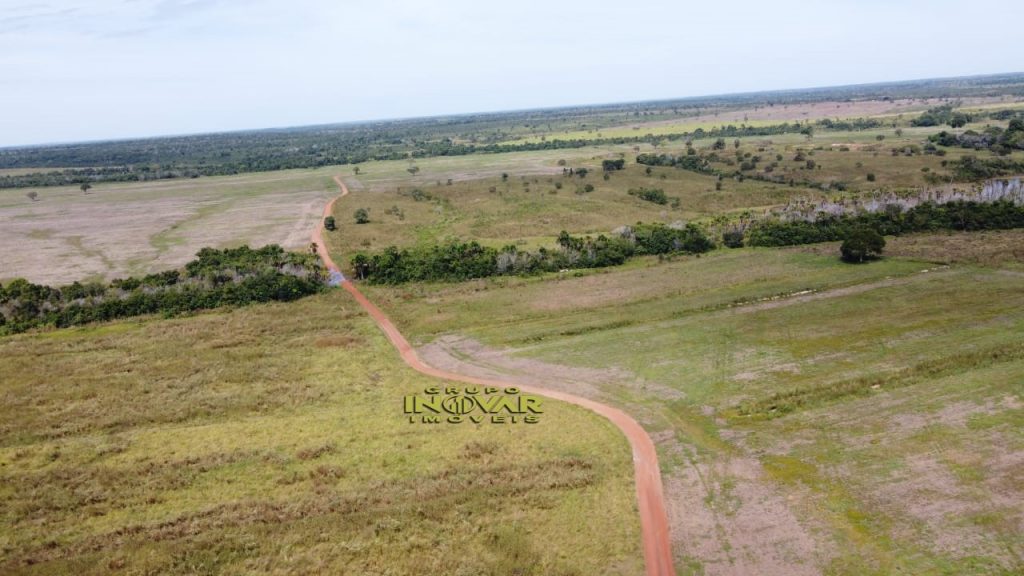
x: 78, y: 70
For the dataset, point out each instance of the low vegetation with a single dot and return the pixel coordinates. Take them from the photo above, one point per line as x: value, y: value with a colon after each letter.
x: 272, y: 440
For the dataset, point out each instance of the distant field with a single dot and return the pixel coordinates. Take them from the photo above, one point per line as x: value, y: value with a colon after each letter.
x: 767, y: 115
x: 271, y: 439
x: 117, y: 230
x: 129, y: 229
x: 915, y: 469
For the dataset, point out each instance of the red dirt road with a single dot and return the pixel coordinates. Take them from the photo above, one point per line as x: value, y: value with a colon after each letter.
x: 653, y: 519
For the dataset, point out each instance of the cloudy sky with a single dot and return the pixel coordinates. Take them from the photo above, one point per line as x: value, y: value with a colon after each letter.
x: 76, y: 70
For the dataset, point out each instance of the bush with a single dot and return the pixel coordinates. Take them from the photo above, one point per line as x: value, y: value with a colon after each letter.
x: 362, y: 216
x: 655, y: 195
x: 330, y: 224
x: 612, y: 165
x: 733, y: 238
x: 862, y: 244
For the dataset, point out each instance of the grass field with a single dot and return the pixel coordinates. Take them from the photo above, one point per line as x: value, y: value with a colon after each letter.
x: 811, y: 417
x: 270, y: 439
x: 872, y: 413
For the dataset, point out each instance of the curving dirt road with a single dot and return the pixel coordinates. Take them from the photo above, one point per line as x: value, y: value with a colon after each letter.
x: 653, y: 519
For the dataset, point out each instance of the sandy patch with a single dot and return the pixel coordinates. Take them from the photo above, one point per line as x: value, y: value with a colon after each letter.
x: 730, y: 517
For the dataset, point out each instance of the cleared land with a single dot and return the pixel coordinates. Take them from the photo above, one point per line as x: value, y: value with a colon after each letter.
x: 916, y: 468
x: 271, y: 439
x: 118, y: 230
x: 811, y: 417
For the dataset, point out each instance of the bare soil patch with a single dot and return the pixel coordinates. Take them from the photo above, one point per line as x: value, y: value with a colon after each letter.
x: 138, y: 229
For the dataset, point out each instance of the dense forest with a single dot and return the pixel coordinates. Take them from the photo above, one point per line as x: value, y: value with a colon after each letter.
x: 313, y: 146
x: 230, y: 277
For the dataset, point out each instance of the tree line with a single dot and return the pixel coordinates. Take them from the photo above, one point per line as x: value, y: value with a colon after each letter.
x: 457, y: 261
x: 994, y: 138
x: 215, y: 278
x: 927, y: 217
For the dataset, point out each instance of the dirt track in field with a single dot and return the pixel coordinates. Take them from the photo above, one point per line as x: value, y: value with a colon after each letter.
x: 650, y: 502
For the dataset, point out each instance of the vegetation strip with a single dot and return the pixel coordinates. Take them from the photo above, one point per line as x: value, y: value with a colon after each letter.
x: 790, y: 401
x: 650, y: 502
x: 229, y: 277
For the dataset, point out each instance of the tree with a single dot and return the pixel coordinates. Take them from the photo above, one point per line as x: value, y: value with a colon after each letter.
x: 330, y: 224
x: 862, y: 244
x: 362, y: 216
x: 33, y: 196
x: 85, y: 187
x: 355, y: 170
x: 412, y: 169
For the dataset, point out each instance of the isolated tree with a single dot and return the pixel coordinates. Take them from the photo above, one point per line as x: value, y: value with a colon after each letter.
x: 355, y: 170
x: 362, y: 216
x: 736, y: 143
x: 85, y: 187
x: 33, y: 196
x: 330, y: 224
x: 862, y: 244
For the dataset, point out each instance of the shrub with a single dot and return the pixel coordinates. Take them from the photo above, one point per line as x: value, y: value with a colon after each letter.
x: 330, y: 224
x: 362, y: 216
x: 733, y: 238
x: 655, y: 195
